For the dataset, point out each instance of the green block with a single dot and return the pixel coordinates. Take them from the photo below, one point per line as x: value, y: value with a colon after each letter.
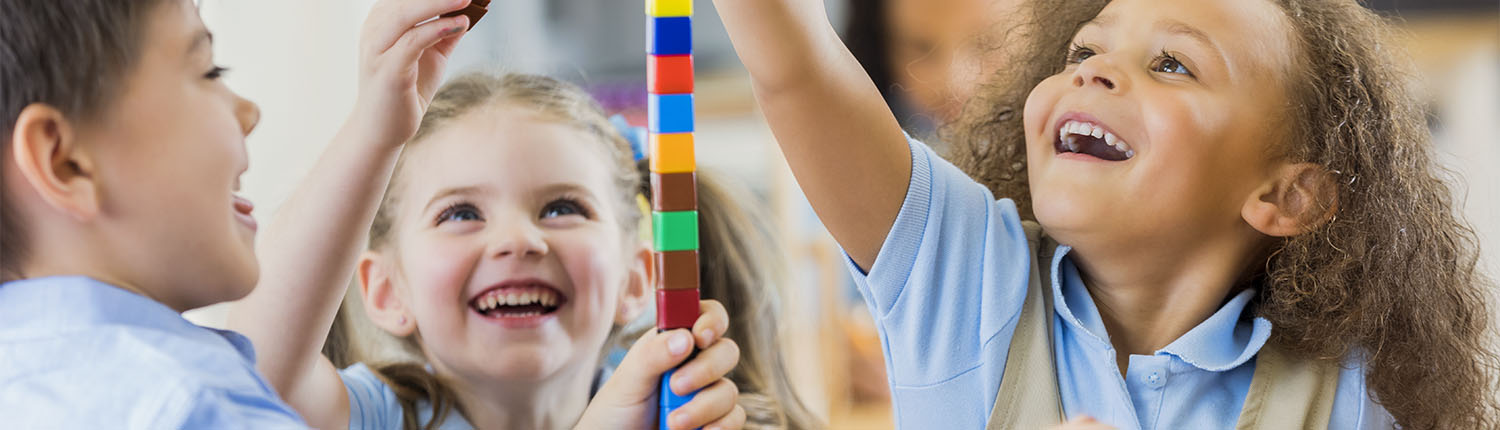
x: 675, y: 231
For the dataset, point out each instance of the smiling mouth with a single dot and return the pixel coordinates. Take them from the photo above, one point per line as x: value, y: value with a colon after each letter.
x: 1083, y: 137
x: 518, y: 300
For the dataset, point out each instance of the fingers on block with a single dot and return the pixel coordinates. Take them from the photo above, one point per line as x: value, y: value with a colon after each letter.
x: 474, y: 11
x: 676, y: 309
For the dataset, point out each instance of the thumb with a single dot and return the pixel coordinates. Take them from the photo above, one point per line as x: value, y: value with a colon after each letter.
x: 638, y: 376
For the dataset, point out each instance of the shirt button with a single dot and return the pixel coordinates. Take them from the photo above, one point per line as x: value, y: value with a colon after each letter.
x: 1156, y: 379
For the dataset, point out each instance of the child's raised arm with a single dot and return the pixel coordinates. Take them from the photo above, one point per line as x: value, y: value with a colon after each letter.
x: 308, y: 251
x: 841, y: 141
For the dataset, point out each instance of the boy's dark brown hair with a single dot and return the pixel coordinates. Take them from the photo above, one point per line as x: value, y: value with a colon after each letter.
x: 71, y: 55
x: 1391, y: 279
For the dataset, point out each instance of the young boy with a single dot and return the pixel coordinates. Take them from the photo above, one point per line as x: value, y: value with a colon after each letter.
x: 121, y: 155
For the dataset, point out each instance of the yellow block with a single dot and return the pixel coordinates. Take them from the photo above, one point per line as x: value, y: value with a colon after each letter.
x: 672, y: 153
x: 660, y: 8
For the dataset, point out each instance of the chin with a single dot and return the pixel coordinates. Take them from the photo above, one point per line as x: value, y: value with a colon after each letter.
x: 522, y: 366
x: 241, y: 279
x: 1062, y: 214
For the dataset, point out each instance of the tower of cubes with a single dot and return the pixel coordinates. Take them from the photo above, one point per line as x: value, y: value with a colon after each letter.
x: 674, y: 203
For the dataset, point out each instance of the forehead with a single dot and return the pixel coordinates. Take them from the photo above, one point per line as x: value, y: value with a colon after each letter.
x: 174, y: 29
x: 511, y: 150
x: 1252, y: 36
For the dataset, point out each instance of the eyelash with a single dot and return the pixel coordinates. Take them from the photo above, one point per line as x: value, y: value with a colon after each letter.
x: 576, y: 204
x: 1076, y: 51
x: 1165, y: 56
x: 216, y: 72
x: 454, y: 209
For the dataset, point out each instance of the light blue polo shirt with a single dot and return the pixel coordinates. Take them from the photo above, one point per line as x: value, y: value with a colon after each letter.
x: 947, y: 289
x: 77, y: 353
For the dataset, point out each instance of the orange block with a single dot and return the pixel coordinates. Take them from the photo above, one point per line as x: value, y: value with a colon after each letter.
x: 672, y: 153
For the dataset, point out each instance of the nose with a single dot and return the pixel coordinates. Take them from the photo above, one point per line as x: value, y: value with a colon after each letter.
x: 518, y: 239
x: 1100, y: 72
x: 247, y: 113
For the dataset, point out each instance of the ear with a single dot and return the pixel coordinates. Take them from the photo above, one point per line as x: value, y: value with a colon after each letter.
x: 1298, y: 198
x: 382, y: 302
x: 48, y: 155
x: 637, y: 294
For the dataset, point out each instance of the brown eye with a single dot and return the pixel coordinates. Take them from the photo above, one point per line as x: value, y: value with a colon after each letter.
x: 1168, y: 64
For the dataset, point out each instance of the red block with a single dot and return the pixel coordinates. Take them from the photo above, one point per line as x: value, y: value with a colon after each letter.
x: 676, y: 309
x: 669, y: 74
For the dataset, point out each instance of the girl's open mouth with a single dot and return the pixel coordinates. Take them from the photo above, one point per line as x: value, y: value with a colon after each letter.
x: 1087, y: 138
x: 518, y: 300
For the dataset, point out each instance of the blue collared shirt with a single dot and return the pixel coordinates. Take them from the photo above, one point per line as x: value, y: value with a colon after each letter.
x: 946, y: 292
x: 78, y: 353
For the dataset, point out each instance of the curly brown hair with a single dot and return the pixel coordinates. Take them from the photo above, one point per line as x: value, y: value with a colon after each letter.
x: 1390, y: 280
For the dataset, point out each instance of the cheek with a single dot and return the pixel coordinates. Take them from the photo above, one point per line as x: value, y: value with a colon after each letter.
x: 435, y: 270
x: 596, y: 271
x: 1198, y: 157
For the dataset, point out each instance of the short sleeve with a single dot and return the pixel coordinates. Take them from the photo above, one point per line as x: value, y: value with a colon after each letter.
x: 372, y: 403
x: 946, y: 289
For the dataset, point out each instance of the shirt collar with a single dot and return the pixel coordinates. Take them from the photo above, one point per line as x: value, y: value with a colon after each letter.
x: 1224, y: 341
x: 62, y: 303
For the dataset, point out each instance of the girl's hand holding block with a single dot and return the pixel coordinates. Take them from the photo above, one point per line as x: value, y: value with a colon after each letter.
x: 629, y: 399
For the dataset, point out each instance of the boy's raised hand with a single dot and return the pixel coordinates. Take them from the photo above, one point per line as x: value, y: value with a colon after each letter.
x: 403, y: 51
x: 629, y: 399
x: 309, y: 250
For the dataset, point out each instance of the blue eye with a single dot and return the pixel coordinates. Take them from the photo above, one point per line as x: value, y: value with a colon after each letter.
x: 1077, y: 53
x: 1166, y: 63
x: 460, y: 212
x: 564, y: 207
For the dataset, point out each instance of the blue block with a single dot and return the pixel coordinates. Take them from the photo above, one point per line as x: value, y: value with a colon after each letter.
x: 668, y: 398
x: 670, y: 113
x: 669, y: 36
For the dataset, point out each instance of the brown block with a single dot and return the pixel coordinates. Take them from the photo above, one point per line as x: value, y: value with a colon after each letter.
x: 674, y: 192
x: 474, y: 10
x: 676, y: 270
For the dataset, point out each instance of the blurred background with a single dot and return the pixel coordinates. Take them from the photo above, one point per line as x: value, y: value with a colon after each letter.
x: 297, y: 60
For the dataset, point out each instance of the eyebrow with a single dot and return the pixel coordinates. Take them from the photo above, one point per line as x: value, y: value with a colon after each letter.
x: 1182, y: 28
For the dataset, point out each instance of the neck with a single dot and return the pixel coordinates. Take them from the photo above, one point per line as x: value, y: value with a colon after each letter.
x: 1148, y: 297
x: 557, y: 402
x: 82, y: 262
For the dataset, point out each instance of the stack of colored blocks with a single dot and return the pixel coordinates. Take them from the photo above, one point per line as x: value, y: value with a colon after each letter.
x: 674, y: 203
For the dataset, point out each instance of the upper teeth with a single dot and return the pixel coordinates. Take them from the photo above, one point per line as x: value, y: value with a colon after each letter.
x: 1087, y: 129
x: 517, y: 297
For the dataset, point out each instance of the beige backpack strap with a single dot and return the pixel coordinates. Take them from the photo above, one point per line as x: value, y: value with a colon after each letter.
x: 1028, y: 397
x: 1288, y: 394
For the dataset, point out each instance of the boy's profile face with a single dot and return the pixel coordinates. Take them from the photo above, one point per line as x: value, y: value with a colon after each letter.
x: 170, y: 151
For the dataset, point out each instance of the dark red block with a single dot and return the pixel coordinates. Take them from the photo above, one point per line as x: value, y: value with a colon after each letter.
x: 676, y: 309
